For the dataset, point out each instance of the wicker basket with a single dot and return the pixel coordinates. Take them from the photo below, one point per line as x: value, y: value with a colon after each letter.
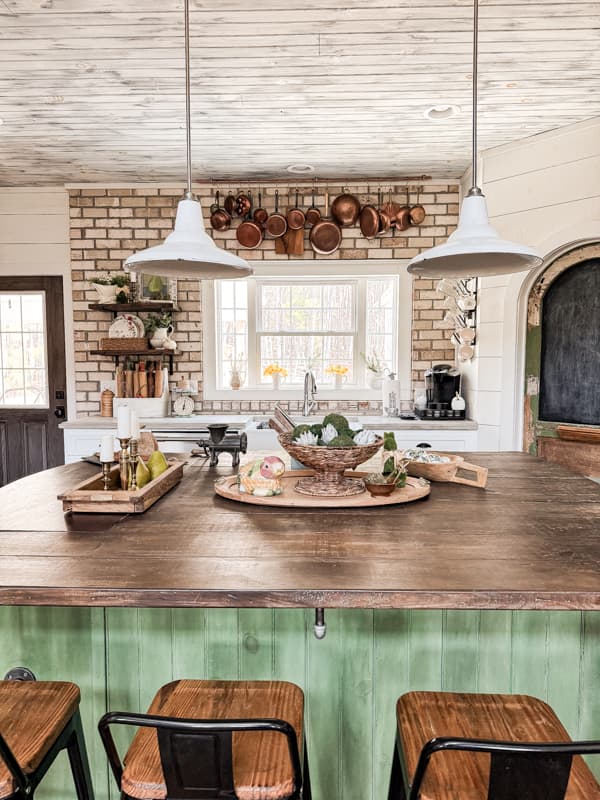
x: 124, y: 345
x: 329, y: 464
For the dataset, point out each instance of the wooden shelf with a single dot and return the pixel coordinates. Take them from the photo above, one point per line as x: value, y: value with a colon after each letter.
x: 117, y: 355
x: 124, y: 308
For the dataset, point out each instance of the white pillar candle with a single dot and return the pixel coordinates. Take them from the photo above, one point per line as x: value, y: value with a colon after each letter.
x: 134, y: 425
x: 123, y: 422
x: 107, y: 451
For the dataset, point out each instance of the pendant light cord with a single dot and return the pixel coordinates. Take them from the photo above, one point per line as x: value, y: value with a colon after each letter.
x: 189, y: 195
x: 474, y: 190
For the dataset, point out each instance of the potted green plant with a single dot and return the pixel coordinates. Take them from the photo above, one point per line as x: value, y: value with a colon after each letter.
x: 111, y: 289
x: 159, y: 327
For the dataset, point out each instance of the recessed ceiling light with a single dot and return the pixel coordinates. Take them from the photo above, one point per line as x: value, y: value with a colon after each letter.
x: 441, y: 112
x: 300, y: 169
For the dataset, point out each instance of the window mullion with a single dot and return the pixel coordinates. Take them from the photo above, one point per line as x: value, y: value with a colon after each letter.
x: 360, y: 344
x: 253, y: 339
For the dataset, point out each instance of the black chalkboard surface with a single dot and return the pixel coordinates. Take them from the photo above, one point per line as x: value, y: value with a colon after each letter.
x: 570, y: 368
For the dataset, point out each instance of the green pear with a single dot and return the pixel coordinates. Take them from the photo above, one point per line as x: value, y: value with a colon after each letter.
x: 142, y: 473
x: 157, y: 464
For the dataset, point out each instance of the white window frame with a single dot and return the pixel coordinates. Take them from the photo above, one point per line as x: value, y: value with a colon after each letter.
x: 321, y: 271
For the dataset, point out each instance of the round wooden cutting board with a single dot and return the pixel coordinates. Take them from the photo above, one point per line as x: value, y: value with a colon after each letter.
x: 415, y: 489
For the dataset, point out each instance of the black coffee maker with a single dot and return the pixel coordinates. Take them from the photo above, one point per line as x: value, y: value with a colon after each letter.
x: 442, y: 382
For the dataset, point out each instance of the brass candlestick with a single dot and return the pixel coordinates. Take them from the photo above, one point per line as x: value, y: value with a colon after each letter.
x: 133, y: 454
x: 124, y: 463
x: 106, y: 467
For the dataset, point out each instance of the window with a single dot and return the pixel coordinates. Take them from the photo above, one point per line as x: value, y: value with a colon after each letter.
x: 304, y: 322
x: 23, y: 370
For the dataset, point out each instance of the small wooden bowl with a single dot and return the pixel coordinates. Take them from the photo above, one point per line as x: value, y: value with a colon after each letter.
x: 380, y: 489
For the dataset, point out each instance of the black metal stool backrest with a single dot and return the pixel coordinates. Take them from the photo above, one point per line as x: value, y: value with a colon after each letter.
x: 518, y: 771
x: 196, y: 755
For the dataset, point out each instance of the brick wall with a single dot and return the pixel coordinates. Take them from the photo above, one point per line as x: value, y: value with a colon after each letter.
x: 107, y: 225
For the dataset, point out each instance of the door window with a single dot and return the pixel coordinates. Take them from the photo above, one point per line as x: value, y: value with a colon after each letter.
x: 23, y: 356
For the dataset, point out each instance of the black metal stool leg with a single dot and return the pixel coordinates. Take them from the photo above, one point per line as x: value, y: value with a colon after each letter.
x: 306, y: 790
x: 396, y: 791
x: 79, y: 761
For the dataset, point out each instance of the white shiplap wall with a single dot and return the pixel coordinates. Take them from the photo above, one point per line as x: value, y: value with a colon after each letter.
x: 545, y: 192
x: 34, y: 240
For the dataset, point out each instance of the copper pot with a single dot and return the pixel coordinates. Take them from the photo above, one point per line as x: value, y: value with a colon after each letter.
x: 417, y: 212
x: 369, y: 221
x: 276, y: 224
x: 260, y: 214
x: 326, y: 236
x: 295, y: 216
x: 345, y: 209
x: 220, y: 220
x: 249, y: 234
x: 403, y: 215
x: 313, y: 215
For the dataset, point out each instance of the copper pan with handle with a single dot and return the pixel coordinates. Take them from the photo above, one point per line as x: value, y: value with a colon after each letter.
x: 326, y: 236
x: 276, y: 224
x: 385, y: 221
x: 345, y: 209
x: 417, y: 212
x: 313, y: 215
x: 369, y: 221
x: 260, y: 214
x: 403, y: 216
x: 295, y: 217
x: 220, y: 220
x: 249, y: 234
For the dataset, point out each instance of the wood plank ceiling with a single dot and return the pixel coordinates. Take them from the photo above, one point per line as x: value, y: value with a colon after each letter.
x: 92, y: 90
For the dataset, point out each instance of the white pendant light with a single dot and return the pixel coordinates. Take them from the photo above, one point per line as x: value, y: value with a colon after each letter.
x: 188, y: 252
x: 475, y: 248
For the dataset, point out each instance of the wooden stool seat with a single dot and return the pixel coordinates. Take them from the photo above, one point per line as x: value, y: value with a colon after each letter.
x: 33, y: 714
x: 457, y: 774
x: 261, y: 762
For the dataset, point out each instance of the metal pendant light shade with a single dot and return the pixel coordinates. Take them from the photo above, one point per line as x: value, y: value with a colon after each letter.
x: 475, y: 249
x: 188, y: 252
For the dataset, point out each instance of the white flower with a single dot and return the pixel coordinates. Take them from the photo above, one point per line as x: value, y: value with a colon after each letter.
x: 307, y: 437
x: 329, y: 433
x: 365, y: 437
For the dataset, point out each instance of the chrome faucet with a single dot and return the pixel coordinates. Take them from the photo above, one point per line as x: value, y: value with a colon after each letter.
x: 310, y: 391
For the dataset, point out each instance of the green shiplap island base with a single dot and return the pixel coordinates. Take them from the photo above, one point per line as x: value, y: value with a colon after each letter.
x: 120, y: 656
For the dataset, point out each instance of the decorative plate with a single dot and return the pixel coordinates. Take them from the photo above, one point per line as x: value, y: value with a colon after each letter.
x: 126, y: 326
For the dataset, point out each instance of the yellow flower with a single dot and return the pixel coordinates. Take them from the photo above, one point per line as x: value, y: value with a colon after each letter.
x: 275, y: 369
x: 337, y: 369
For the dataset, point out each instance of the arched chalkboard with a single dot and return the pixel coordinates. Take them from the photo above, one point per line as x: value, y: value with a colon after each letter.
x: 570, y: 365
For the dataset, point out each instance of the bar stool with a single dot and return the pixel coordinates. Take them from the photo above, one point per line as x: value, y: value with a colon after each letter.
x: 207, y: 740
x: 486, y: 747
x: 38, y: 719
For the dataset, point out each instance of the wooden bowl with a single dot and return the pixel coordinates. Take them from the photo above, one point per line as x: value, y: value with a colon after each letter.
x: 380, y: 489
x: 329, y: 464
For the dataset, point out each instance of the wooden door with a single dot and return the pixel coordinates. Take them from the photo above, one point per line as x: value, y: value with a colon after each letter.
x: 32, y: 375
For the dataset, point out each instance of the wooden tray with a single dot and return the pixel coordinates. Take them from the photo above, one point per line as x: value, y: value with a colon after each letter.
x: 89, y: 496
x: 447, y: 472
x: 414, y: 490
x: 132, y: 345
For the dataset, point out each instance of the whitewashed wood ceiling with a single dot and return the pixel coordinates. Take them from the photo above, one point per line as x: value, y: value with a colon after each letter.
x: 92, y: 90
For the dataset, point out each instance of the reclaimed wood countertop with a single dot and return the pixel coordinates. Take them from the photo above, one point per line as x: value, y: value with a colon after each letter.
x: 531, y: 540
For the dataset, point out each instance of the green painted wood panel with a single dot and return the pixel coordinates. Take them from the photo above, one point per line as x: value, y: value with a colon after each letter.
x: 351, y: 679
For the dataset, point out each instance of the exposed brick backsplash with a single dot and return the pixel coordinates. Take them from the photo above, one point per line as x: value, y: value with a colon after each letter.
x: 107, y: 225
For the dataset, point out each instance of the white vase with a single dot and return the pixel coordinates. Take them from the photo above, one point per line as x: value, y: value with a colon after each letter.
x: 160, y: 338
x: 276, y: 378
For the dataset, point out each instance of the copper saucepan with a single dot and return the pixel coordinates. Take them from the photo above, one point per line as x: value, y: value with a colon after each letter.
x: 417, y: 212
x: 229, y: 204
x: 220, y: 220
x: 384, y: 218
x: 261, y: 214
x: 276, y: 224
x: 326, y: 236
x: 295, y: 217
x: 249, y: 234
x: 345, y: 209
x: 243, y: 204
x: 369, y: 221
x: 403, y: 215
x: 390, y: 208
x: 313, y: 215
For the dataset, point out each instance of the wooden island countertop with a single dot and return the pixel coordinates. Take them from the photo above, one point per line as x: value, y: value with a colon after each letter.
x: 531, y: 540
